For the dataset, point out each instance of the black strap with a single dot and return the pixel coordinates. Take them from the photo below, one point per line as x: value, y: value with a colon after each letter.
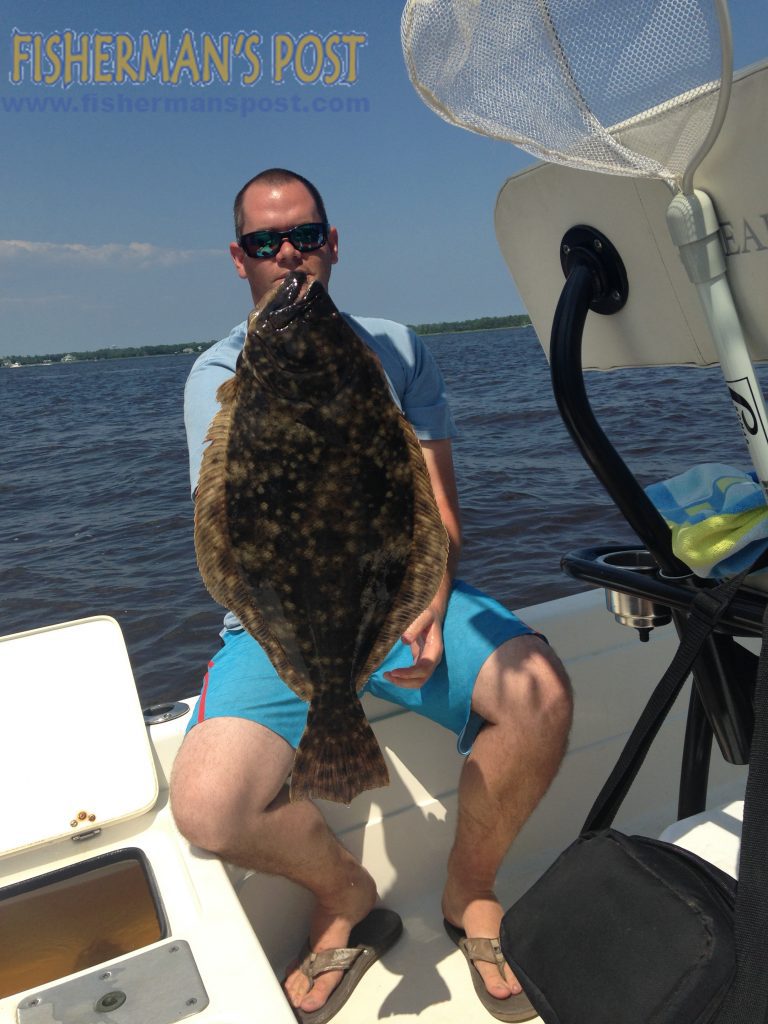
x: 707, y: 608
x: 747, y: 1000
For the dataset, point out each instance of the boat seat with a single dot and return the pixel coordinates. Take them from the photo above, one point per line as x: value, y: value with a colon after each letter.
x: 662, y: 323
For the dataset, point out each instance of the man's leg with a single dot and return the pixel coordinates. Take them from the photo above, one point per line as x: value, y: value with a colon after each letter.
x: 229, y: 796
x: 523, y: 693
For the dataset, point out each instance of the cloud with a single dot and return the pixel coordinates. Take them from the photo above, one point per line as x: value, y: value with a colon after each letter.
x: 139, y: 255
x: 38, y: 300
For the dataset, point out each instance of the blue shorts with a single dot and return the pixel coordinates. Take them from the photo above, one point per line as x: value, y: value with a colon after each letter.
x: 241, y: 682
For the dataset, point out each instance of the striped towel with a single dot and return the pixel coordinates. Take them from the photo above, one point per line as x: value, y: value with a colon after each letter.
x: 718, y: 517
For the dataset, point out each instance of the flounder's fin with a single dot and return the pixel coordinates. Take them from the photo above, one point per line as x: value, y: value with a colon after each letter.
x: 226, y: 394
x: 338, y: 756
x: 426, y: 566
x: 218, y: 566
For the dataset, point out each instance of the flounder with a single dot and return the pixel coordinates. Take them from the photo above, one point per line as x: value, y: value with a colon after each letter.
x: 315, y: 523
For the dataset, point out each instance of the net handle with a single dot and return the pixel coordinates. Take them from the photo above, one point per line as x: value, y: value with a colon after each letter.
x: 723, y: 96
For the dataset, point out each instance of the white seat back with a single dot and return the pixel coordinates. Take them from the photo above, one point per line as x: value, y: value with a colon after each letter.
x: 662, y: 322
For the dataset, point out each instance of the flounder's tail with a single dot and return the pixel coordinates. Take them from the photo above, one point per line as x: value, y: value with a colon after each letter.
x: 338, y: 756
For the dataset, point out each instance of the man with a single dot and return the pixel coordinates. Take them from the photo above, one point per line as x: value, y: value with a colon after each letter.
x: 510, y: 700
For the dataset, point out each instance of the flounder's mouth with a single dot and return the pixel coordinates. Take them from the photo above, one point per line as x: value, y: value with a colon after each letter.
x: 292, y: 290
x: 287, y: 292
x: 291, y: 299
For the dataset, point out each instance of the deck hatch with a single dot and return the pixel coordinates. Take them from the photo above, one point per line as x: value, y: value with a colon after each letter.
x: 74, y: 918
x: 74, y: 749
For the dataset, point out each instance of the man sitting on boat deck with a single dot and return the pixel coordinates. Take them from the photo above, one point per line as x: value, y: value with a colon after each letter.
x: 508, y: 695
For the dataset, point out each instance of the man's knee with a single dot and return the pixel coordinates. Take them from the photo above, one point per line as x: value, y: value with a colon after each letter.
x: 205, y: 808
x: 553, y: 686
x: 216, y: 792
x: 524, y: 679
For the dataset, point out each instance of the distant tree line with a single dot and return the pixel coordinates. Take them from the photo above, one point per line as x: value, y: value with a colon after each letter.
x: 484, y: 323
x: 108, y: 353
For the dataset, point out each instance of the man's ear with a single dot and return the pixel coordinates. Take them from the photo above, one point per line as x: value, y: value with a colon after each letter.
x: 333, y: 244
x: 238, y: 257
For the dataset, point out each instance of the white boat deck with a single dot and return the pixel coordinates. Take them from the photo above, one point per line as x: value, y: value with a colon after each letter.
x: 403, y: 834
x: 244, y: 928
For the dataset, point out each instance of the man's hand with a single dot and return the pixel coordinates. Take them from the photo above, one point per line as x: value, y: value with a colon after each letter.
x: 425, y: 637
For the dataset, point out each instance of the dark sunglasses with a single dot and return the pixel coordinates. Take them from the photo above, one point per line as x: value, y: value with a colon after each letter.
x: 261, y: 245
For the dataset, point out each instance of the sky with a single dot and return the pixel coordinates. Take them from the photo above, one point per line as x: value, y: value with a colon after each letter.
x: 116, y: 196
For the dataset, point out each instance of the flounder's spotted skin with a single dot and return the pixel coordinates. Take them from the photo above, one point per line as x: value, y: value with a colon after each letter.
x: 316, y: 525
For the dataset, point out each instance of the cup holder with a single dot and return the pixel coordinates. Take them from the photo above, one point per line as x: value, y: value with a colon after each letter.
x: 155, y: 714
x: 641, y: 613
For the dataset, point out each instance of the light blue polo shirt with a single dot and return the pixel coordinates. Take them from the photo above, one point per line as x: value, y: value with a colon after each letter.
x: 415, y: 381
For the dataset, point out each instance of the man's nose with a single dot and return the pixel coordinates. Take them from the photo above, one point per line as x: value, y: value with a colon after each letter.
x: 287, y: 250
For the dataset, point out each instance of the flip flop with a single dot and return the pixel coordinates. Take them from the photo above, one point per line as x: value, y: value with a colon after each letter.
x: 514, y: 1008
x: 368, y: 940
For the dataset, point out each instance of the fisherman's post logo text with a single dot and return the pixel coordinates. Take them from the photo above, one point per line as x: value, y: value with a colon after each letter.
x: 240, y: 58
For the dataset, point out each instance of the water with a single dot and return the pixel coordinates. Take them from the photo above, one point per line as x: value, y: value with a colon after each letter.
x: 96, y: 518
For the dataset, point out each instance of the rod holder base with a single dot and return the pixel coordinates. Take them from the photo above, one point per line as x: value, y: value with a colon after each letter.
x: 589, y: 247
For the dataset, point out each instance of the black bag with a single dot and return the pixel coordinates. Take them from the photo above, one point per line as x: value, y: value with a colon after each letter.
x: 641, y: 931
x: 630, y: 930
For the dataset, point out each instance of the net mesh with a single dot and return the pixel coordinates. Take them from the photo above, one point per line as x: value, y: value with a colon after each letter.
x: 567, y: 80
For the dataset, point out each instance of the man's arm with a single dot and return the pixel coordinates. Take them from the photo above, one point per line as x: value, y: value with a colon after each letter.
x: 210, y: 370
x: 425, y: 635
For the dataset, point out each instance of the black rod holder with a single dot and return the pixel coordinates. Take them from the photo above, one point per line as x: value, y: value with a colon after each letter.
x: 596, y: 280
x: 744, y: 615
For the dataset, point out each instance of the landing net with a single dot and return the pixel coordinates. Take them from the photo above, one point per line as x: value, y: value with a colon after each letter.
x: 567, y: 80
